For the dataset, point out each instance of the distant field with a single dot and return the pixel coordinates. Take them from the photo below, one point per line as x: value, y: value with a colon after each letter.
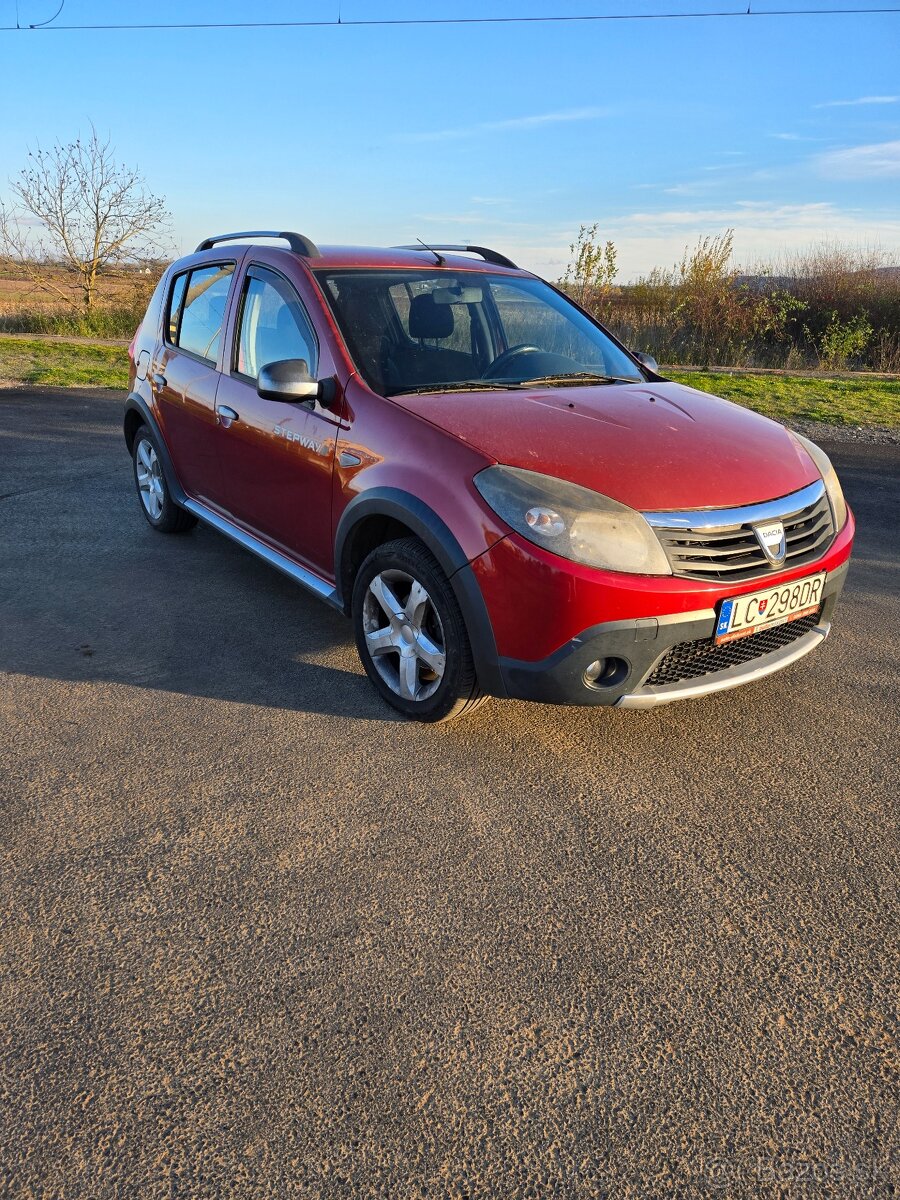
x: 18, y: 292
x: 864, y: 401
x: 120, y: 301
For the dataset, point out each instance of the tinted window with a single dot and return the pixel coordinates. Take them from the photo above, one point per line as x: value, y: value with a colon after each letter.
x: 456, y: 333
x: 204, y: 310
x: 422, y: 329
x: 274, y: 326
x: 175, y: 301
x: 530, y: 316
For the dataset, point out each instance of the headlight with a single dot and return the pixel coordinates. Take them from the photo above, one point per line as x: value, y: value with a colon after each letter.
x: 572, y: 521
x: 829, y: 478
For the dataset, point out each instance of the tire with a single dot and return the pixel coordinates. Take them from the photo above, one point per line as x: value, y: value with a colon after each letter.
x: 156, y: 502
x: 411, y: 636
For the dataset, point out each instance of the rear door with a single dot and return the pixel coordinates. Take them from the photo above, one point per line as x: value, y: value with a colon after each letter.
x: 276, y: 457
x: 185, y: 375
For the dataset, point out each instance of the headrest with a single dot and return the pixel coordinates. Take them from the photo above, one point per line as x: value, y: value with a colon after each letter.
x: 428, y: 319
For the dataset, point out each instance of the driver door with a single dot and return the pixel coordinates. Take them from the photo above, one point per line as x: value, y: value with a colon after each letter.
x: 276, y: 457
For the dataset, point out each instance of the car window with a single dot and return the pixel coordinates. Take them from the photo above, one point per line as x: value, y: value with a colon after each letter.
x: 412, y: 330
x: 274, y: 326
x: 200, y: 329
x: 175, y: 301
x: 527, y: 317
x: 457, y: 334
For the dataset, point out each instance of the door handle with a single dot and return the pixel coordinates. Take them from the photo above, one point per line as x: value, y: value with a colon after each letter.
x: 224, y: 413
x: 158, y: 381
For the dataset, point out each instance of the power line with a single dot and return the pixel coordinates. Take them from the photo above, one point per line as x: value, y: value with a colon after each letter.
x: 343, y: 23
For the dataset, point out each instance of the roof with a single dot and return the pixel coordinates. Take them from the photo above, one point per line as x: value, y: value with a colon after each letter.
x: 339, y: 257
x: 333, y: 257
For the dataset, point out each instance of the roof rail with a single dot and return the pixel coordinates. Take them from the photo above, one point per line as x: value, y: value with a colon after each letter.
x: 491, y: 256
x: 297, y: 242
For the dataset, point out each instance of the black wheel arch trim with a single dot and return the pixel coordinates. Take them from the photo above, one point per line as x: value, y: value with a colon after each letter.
x: 399, y: 505
x: 136, y: 404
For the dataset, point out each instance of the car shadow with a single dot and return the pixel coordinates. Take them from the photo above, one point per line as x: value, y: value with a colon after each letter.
x: 194, y: 615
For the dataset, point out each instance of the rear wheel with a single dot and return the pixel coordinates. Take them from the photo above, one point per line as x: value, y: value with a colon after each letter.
x: 411, y: 636
x: 157, y: 504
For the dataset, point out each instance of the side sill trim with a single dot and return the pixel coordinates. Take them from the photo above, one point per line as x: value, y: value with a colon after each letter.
x: 306, y: 579
x: 733, y: 677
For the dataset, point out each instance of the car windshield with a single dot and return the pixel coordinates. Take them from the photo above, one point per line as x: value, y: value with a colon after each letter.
x: 440, y: 330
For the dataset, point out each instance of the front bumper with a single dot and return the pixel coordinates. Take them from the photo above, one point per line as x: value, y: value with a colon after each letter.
x: 635, y: 648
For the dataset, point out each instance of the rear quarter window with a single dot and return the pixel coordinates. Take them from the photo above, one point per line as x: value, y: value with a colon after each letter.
x: 173, y: 314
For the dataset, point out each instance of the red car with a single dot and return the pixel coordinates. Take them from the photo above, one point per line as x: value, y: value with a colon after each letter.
x: 502, y: 498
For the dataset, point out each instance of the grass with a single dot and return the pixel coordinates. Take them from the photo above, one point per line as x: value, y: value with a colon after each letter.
x: 62, y: 364
x: 863, y: 401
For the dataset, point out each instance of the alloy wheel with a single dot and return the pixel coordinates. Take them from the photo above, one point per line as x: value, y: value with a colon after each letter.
x: 150, y: 479
x: 404, y: 635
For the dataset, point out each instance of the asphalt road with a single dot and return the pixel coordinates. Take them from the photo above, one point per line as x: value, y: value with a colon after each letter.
x: 261, y: 939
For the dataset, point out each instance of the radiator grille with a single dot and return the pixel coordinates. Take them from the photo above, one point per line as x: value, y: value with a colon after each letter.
x: 730, y: 553
x: 693, y: 660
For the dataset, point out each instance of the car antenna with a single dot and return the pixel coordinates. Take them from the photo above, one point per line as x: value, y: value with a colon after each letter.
x: 441, y: 261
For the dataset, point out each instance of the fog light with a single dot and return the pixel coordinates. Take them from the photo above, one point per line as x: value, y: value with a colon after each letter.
x: 606, y: 673
x: 594, y: 671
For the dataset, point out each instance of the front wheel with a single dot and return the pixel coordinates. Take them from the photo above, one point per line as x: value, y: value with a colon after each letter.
x: 411, y: 636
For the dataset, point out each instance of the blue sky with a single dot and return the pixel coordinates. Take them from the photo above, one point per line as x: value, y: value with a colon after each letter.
x: 787, y: 130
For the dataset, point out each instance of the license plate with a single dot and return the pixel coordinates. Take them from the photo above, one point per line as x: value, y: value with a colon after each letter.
x: 743, y: 615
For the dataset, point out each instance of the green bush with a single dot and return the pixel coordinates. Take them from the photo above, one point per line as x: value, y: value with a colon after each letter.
x: 829, y: 307
x: 842, y: 341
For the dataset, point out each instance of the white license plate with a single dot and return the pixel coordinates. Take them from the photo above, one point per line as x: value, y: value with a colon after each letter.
x: 743, y: 615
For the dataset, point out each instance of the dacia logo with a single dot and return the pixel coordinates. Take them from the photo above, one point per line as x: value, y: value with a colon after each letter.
x: 307, y: 443
x: 772, y: 541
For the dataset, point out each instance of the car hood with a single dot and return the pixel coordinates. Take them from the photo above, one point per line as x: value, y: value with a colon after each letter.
x: 655, y: 446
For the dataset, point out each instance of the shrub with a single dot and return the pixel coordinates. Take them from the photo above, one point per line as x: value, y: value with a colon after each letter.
x: 842, y: 341
x: 829, y: 307
x: 592, y: 269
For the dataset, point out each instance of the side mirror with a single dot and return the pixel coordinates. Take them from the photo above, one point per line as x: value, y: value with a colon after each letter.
x: 289, y: 379
x: 648, y: 361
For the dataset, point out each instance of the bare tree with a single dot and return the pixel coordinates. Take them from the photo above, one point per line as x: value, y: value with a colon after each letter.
x: 76, y: 205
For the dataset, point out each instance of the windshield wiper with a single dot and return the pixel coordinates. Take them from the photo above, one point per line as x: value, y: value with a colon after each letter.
x: 468, y: 385
x: 577, y: 378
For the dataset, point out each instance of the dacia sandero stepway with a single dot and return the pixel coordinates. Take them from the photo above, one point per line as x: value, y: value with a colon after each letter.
x: 503, y: 499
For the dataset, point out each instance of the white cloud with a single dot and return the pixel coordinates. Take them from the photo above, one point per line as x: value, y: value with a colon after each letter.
x: 859, y: 101
x: 511, y: 125
x: 650, y: 239
x: 763, y: 232
x: 878, y: 161
x: 710, y: 220
x: 685, y: 189
x: 474, y: 220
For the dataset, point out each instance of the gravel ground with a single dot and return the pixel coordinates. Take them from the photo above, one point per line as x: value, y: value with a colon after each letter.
x: 877, y: 435
x: 258, y: 938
